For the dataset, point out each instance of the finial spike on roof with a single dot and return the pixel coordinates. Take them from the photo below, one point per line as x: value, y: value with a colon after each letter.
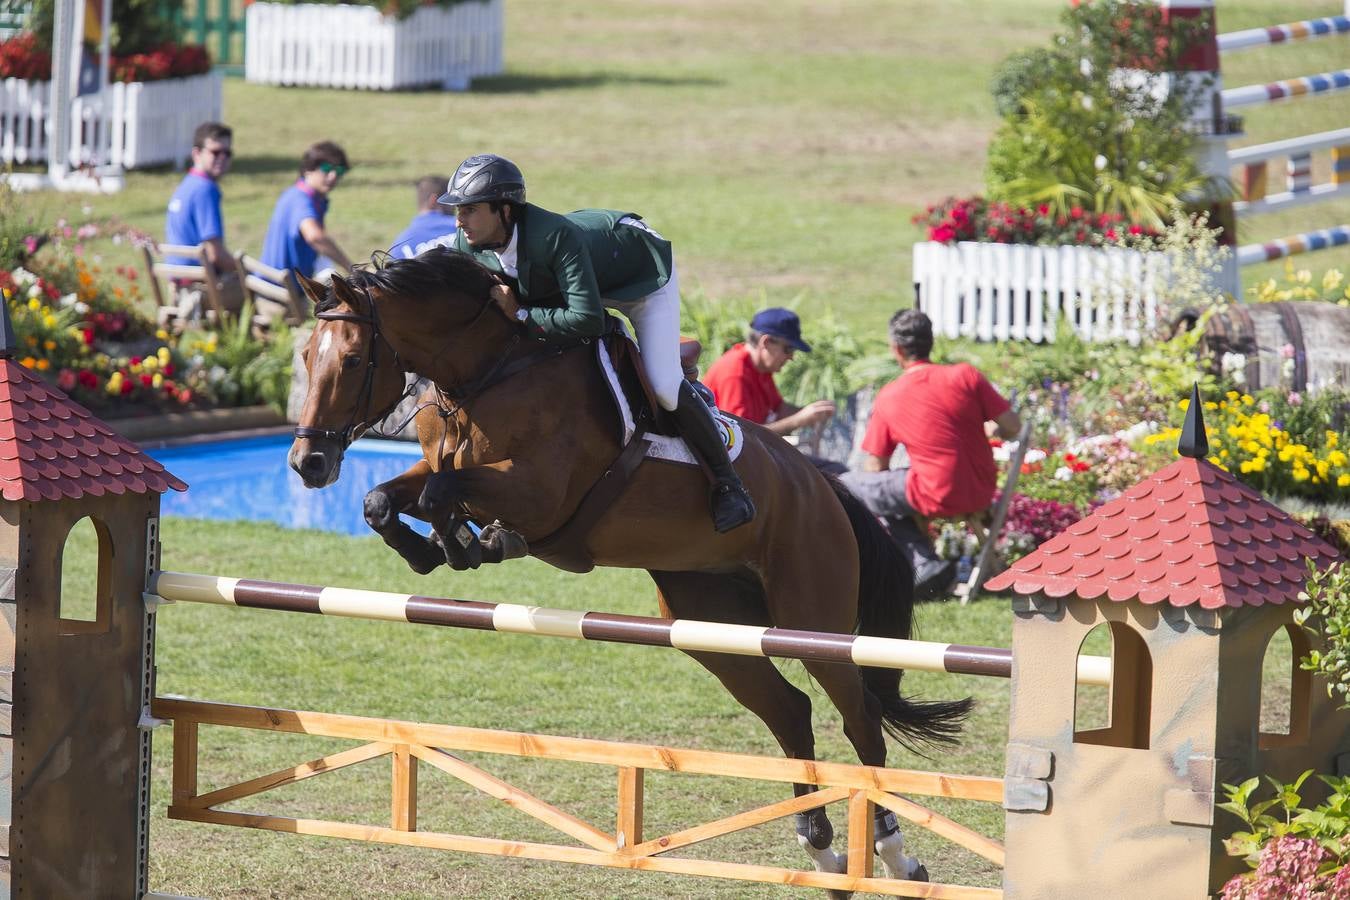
x: 8, y: 343
x: 1193, y: 441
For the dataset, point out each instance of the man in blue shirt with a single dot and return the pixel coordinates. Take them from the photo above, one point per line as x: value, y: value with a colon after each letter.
x: 193, y: 215
x: 431, y: 227
x: 296, y: 235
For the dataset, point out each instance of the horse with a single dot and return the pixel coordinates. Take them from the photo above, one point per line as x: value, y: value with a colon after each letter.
x: 516, y: 432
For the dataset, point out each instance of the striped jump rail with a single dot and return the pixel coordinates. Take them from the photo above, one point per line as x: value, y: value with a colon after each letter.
x: 1306, y: 30
x: 1249, y: 254
x: 680, y: 634
x: 1254, y: 94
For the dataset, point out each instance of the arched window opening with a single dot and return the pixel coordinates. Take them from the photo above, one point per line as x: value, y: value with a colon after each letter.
x: 1286, y: 689
x: 1118, y: 715
x: 86, y: 579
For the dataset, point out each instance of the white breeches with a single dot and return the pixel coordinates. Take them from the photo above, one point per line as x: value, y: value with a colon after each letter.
x: 656, y: 319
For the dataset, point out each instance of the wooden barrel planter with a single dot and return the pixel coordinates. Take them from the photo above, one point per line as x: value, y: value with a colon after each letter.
x: 1313, y: 336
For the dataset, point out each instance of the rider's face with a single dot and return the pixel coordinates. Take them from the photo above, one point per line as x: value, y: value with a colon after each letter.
x: 479, y: 224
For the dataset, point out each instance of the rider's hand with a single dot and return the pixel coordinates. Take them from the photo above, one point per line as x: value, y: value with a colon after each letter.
x: 505, y: 298
x: 817, y: 413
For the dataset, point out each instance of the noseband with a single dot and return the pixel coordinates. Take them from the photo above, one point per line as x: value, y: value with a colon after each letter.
x: 363, y: 400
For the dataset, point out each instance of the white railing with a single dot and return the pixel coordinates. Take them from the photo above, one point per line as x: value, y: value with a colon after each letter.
x: 358, y: 47
x: 1001, y: 292
x: 128, y: 125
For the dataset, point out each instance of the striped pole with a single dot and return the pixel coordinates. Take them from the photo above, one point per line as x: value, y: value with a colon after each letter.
x: 681, y: 634
x: 1279, y: 34
x: 1254, y: 94
x: 1249, y: 254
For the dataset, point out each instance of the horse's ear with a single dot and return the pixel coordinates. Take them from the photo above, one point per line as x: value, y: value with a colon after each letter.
x: 343, y: 291
x: 313, y: 289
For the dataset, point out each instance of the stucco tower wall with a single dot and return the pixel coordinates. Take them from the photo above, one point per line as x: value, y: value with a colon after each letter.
x: 76, y: 807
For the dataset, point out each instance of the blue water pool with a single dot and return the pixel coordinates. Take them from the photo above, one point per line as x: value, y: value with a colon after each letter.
x: 249, y: 479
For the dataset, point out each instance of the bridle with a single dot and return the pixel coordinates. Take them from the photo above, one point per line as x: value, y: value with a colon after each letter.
x: 362, y: 419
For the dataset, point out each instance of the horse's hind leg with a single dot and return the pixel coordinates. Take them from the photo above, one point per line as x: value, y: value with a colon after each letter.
x: 757, y: 685
x: 861, y: 712
x: 382, y: 506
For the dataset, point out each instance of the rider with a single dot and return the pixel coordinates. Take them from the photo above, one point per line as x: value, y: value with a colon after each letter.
x: 561, y: 271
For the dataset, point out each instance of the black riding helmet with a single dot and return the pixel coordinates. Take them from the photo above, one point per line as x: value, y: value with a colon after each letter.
x: 485, y: 178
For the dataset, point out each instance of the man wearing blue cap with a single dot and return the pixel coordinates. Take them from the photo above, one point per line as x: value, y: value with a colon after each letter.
x: 742, y: 379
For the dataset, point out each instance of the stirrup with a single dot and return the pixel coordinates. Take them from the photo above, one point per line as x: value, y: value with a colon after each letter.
x: 731, y: 506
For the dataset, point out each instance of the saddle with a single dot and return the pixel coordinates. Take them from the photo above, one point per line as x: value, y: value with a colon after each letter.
x: 566, y: 547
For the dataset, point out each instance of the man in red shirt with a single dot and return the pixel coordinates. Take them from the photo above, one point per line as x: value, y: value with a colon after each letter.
x: 742, y: 378
x: 939, y: 413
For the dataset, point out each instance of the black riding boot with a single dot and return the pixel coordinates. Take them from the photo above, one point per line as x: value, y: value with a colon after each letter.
x: 731, y: 503
x: 932, y: 574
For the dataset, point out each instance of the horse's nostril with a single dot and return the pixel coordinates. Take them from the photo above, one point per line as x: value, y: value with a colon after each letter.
x: 314, y: 463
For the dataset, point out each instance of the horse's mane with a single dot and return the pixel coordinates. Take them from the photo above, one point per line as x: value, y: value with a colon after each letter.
x: 429, y: 275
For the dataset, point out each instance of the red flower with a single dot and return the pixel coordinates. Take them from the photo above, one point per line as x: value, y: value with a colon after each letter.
x: 1136, y: 230
x: 1076, y: 212
x: 87, y: 379
x: 147, y: 380
x: 65, y: 380
x: 1043, y: 209
x: 127, y: 387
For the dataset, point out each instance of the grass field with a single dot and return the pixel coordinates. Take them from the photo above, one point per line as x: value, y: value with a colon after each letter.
x: 783, y: 146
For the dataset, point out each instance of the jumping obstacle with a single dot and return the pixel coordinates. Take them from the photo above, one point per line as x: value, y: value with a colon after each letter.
x: 1253, y: 162
x: 680, y: 634
x: 1190, y: 572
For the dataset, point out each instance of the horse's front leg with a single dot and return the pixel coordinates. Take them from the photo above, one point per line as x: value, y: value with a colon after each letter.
x: 492, y: 488
x: 382, y: 507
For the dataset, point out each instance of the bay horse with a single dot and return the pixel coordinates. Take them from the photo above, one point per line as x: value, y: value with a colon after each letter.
x: 518, y: 431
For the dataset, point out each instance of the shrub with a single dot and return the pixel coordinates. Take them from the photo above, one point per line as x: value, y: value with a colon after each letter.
x: 977, y: 219
x: 1298, y: 853
x: 1080, y: 132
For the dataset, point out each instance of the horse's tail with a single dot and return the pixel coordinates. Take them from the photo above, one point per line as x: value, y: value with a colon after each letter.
x: 886, y: 609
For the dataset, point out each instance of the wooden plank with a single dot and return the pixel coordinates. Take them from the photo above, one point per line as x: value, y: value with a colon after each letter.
x: 582, y: 855
x: 860, y: 839
x: 184, y: 761
x: 515, y: 798
x: 628, y: 820
x: 740, y: 821
x: 942, y: 826
x: 291, y: 775
x: 403, y: 803
x: 615, y: 753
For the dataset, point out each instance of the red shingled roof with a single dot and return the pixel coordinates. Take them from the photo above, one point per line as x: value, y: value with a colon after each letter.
x: 1191, y: 533
x: 51, y: 447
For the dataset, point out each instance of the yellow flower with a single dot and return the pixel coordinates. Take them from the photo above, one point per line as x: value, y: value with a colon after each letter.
x: 1332, y: 439
x: 43, y: 365
x: 1248, y: 399
x: 1259, y: 464
x: 164, y: 356
x: 34, y: 304
x: 1303, y: 276
x: 157, y: 381
x: 150, y: 364
x: 49, y: 345
x: 1210, y: 404
x: 28, y: 362
x: 1231, y: 395
x: 162, y: 334
x: 1343, y: 481
x: 1332, y: 279
x: 1301, y: 474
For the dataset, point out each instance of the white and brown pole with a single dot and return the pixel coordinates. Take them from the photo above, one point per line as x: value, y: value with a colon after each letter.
x: 681, y: 634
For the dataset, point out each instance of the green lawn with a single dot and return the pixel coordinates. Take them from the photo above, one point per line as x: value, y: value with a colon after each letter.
x: 783, y: 146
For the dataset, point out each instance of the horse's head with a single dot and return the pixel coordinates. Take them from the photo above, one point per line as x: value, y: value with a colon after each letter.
x: 355, y: 377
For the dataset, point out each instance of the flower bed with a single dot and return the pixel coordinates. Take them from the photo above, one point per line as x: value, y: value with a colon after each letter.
x: 82, y: 328
x: 351, y: 46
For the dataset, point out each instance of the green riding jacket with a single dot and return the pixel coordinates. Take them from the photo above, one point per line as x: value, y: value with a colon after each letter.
x: 568, y: 267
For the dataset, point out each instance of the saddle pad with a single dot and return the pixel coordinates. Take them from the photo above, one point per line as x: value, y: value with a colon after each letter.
x: 671, y: 449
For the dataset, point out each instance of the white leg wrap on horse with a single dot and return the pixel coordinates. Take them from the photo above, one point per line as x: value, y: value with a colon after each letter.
x: 891, y: 852
x: 825, y: 860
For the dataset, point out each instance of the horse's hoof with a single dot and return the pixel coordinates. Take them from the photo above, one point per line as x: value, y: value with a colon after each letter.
x: 427, y: 560
x: 501, y: 543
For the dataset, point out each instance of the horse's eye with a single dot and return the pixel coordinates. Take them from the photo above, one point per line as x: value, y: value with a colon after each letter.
x: 351, y: 362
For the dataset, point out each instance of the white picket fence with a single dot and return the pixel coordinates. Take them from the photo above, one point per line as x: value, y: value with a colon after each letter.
x: 358, y: 47
x: 1002, y: 292
x: 128, y: 125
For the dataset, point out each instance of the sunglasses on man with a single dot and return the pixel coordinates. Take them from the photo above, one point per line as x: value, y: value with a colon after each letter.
x: 328, y: 168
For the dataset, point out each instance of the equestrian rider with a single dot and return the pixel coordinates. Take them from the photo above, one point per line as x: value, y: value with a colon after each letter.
x: 560, y: 273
